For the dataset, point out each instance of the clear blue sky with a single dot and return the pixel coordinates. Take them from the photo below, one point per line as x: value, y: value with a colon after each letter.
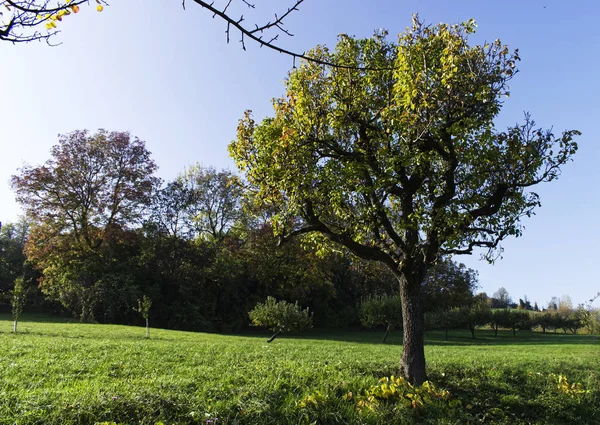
x: 168, y: 76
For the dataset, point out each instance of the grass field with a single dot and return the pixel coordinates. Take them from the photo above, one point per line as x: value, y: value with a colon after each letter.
x: 68, y: 373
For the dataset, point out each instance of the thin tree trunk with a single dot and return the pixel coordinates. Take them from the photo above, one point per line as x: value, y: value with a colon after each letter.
x: 413, y: 319
x: 15, y: 326
x: 273, y: 336
x: 472, y: 329
x: 147, y: 329
x: 387, y: 332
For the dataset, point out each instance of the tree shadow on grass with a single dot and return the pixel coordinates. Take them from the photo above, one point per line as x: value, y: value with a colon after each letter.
x: 455, y: 338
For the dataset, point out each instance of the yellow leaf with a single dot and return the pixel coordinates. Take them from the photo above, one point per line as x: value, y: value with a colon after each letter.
x: 99, y: 8
x: 75, y: 8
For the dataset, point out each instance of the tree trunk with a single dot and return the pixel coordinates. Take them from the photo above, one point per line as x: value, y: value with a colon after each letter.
x: 413, y: 319
x: 147, y: 329
x: 495, y: 330
x: 274, y: 336
x: 472, y: 329
x: 15, y: 326
x: 387, y: 332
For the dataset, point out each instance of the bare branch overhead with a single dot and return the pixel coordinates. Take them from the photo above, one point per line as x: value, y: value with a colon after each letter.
x: 272, y: 29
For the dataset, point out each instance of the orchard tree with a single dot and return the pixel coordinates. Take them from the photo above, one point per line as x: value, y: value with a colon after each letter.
x: 143, y: 307
x: 19, y: 297
x: 381, y: 310
x: 478, y: 314
x: 280, y: 316
x: 405, y: 165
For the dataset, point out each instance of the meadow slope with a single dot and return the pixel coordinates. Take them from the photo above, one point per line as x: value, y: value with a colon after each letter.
x: 68, y: 373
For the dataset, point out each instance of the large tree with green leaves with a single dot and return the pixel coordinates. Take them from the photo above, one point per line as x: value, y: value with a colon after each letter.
x: 399, y: 161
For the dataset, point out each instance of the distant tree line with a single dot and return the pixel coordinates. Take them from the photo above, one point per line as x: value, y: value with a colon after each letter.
x: 472, y: 312
x: 103, y: 232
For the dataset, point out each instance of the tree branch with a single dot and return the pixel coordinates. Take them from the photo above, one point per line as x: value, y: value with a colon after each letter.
x: 277, y: 24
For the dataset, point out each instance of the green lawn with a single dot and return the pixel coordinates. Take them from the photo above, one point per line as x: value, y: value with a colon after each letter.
x: 69, y: 373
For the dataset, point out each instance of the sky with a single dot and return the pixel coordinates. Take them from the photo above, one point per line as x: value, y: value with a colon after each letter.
x: 169, y: 77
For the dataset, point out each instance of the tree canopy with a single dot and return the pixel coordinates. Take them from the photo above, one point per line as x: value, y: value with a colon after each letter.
x: 404, y: 165
x: 83, y: 202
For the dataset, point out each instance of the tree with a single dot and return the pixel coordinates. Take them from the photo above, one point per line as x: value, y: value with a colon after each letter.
x: 590, y: 315
x: 201, y: 202
x: 143, y: 307
x: 512, y: 319
x: 83, y: 203
x: 381, y: 310
x: 19, y: 297
x: 500, y: 319
x: 445, y: 319
x: 405, y: 165
x: 448, y: 285
x: 215, y: 202
x: 544, y: 320
x: 12, y: 259
x: 478, y: 314
x: 21, y: 20
x: 502, y: 299
x: 280, y: 316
